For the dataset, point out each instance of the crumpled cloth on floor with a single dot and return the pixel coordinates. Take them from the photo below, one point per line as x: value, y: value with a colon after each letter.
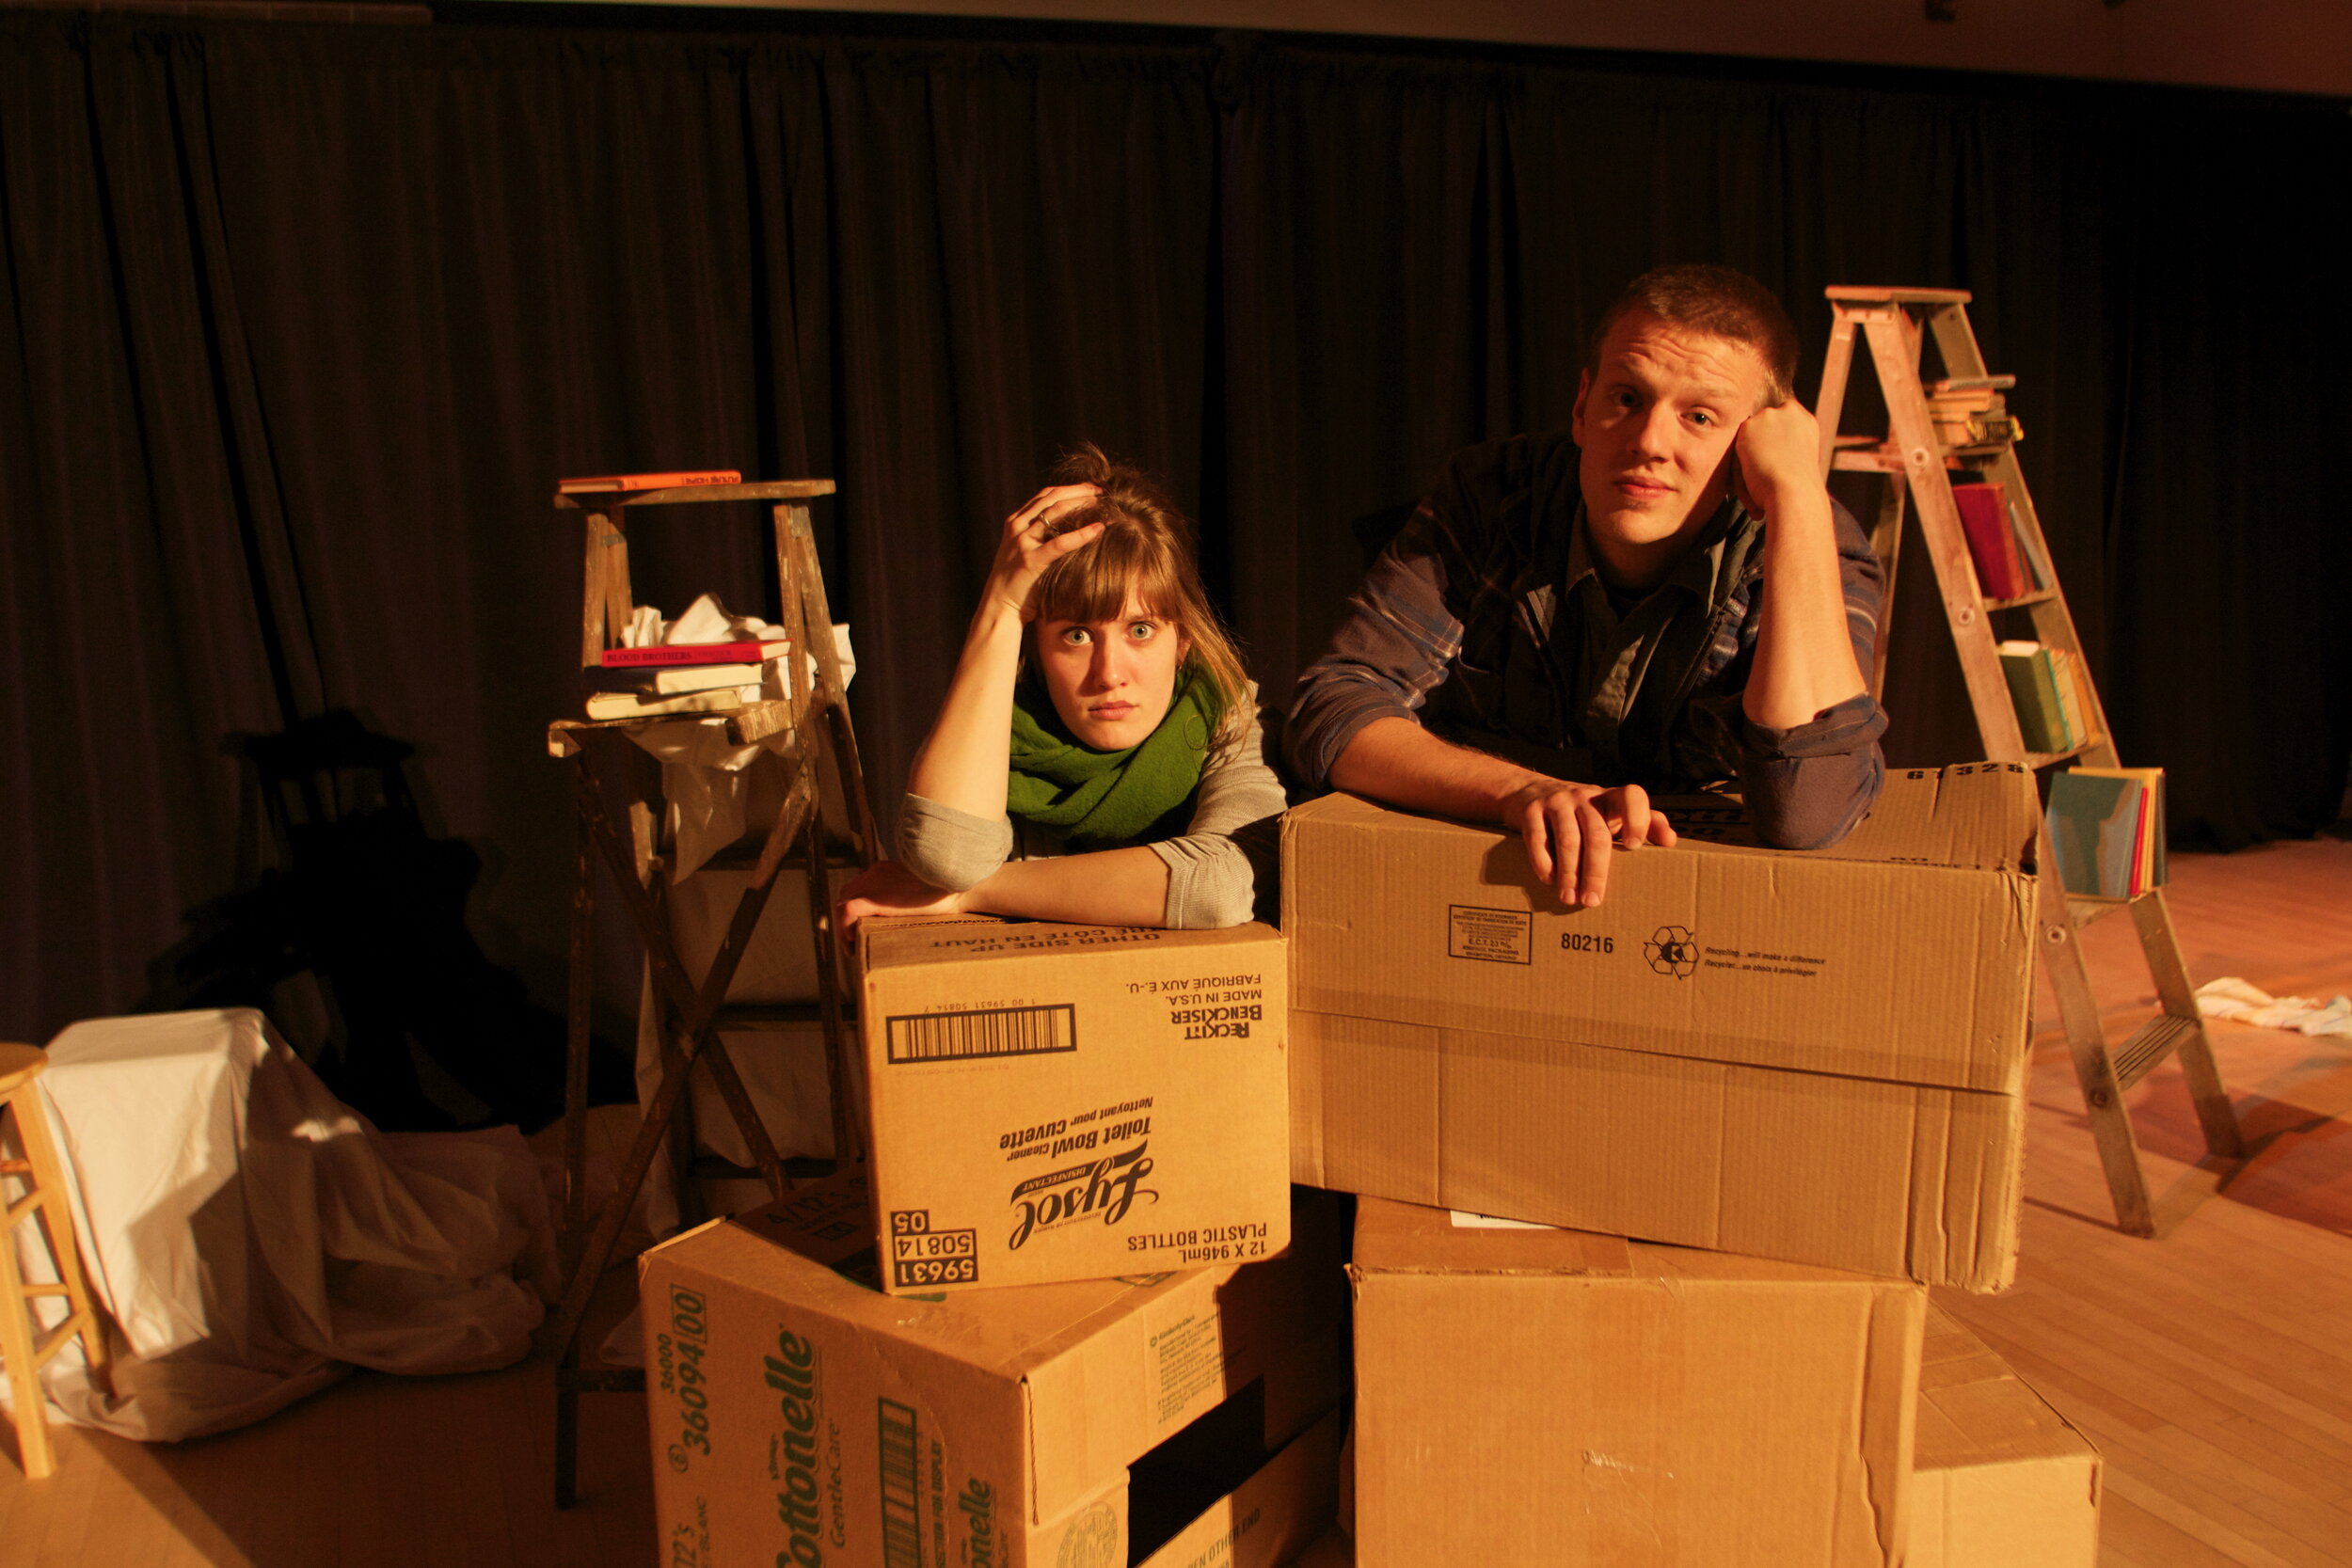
x: 252, y: 1238
x: 2233, y: 999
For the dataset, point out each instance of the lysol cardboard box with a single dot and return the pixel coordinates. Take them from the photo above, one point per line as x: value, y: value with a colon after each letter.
x: 1817, y: 1056
x: 1051, y: 1102
x: 1529, y: 1396
x: 800, y: 1415
x: 1999, y: 1478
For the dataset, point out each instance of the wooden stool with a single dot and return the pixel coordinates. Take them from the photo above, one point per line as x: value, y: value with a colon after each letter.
x: 24, y: 1345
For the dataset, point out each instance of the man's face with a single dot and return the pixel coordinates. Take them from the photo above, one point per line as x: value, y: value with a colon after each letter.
x: 1655, y: 425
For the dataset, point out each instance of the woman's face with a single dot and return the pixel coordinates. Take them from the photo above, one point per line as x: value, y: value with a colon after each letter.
x: 1111, y: 681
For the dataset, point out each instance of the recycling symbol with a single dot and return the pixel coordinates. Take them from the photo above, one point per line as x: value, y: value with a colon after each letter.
x: 1673, y: 951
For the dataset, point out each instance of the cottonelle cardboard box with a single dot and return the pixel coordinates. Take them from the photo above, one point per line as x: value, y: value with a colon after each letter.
x: 800, y: 1415
x: 1053, y: 1103
x: 2000, y: 1479
x: 1528, y: 1397
x: 1813, y: 1057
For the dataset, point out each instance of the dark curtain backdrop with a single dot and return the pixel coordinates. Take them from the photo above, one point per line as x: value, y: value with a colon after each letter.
x: 301, y: 324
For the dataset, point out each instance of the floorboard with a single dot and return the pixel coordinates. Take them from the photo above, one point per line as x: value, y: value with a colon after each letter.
x: 2211, y: 1364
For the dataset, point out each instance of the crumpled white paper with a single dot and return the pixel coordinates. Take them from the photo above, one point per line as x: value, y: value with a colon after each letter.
x: 705, y: 620
x: 2233, y: 999
x: 703, y: 775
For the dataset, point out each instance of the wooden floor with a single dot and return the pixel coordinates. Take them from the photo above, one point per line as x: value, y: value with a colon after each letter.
x: 2212, y: 1366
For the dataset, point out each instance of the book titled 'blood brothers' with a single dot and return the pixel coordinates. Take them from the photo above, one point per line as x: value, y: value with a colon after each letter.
x: 681, y: 479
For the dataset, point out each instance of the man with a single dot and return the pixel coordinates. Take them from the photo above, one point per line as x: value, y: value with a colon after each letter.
x: 1663, y: 596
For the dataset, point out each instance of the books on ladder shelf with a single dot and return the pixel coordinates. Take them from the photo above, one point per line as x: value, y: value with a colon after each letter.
x: 679, y: 479
x: 676, y: 680
x: 635, y: 705
x: 2106, y: 827
x: 1968, y: 411
x: 669, y: 654
x: 1992, y: 542
x: 2006, y: 567
x: 2052, y: 698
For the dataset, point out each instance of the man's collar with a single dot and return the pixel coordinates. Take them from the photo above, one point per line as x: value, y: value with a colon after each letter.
x: 1695, y: 569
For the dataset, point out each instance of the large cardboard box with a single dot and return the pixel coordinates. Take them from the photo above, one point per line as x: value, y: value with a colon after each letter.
x: 800, y: 1415
x: 1331, y: 1550
x: 1053, y: 1103
x: 1999, y: 1478
x: 1528, y: 1396
x: 1813, y: 1057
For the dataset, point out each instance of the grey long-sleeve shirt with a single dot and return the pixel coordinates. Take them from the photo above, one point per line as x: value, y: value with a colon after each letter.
x: 1221, y: 869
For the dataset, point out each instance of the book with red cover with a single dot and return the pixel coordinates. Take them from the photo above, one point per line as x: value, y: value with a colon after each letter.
x: 692, y: 652
x: 1992, y: 542
x: 677, y: 481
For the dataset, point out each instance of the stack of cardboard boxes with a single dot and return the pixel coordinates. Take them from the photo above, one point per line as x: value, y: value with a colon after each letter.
x: 1769, y: 1096
x: 1804, y: 1074
x: 1068, y: 1315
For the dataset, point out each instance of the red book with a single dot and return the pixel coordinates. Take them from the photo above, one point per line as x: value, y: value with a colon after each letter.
x: 647, y: 482
x: 1992, y: 542
x: 693, y: 653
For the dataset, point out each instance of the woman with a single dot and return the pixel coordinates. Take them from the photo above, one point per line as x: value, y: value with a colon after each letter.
x: 1099, y: 749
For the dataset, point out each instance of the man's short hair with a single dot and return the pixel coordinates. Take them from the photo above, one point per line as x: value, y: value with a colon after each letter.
x: 1722, y: 302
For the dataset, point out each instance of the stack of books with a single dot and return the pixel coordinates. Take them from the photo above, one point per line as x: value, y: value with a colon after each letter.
x: 2052, y: 695
x: 1968, y: 411
x: 2006, y: 567
x: 2106, y: 827
x: 690, y: 677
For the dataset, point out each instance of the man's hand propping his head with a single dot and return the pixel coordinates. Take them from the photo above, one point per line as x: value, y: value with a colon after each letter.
x: 1777, y: 455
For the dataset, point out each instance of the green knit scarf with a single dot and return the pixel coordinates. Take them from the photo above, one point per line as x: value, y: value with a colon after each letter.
x: 1109, y: 796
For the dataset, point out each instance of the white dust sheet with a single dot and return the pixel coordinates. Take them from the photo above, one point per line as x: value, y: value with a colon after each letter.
x: 253, y: 1238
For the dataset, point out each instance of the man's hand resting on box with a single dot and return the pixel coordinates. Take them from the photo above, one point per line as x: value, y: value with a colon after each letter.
x: 1569, y: 828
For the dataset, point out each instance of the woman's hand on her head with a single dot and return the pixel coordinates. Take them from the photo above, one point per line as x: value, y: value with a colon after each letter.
x: 886, y: 889
x: 1025, y: 551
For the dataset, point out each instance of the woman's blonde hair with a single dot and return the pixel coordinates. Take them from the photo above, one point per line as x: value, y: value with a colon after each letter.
x: 1144, y: 552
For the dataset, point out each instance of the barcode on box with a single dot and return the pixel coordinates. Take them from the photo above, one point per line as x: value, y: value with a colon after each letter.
x: 901, y: 1487
x: 998, y: 1031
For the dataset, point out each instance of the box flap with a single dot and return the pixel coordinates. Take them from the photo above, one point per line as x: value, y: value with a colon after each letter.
x: 1394, y: 1238
x: 1974, y: 1410
x: 1105, y: 1392
x: 1980, y: 816
x: 816, y: 1249
x: 1406, y: 1237
x: 966, y: 938
x: 1273, y: 1516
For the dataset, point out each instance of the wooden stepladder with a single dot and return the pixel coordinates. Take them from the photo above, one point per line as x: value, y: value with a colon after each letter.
x: 1919, y: 467
x: 820, y: 763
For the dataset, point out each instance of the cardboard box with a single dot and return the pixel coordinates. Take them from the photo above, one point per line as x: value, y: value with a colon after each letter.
x: 1053, y: 1103
x: 1333, y: 1549
x: 799, y: 1415
x: 1999, y: 1478
x: 1531, y: 1396
x: 1812, y: 1056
